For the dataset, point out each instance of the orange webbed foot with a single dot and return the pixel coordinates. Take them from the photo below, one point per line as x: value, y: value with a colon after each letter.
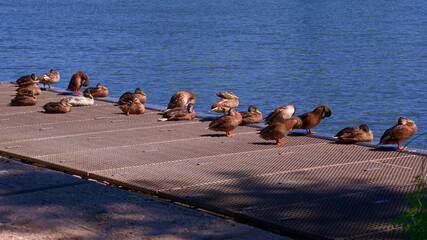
x: 228, y: 134
x: 401, y: 148
x: 279, y: 143
x: 309, y: 132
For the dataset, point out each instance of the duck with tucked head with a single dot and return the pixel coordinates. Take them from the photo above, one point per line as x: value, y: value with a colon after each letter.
x: 355, y: 134
x: 251, y: 116
x: 134, y: 107
x: 280, y: 114
x: 77, y: 81
x: 49, y: 78
x: 27, y: 80
x: 177, y: 114
x: 180, y: 99
x: 227, y: 123
x: 24, y: 99
x: 279, y: 130
x: 57, y: 107
x: 128, y: 96
x: 99, y: 91
x: 33, y: 89
x: 85, y: 100
x: 228, y: 100
x: 312, y: 119
x: 399, y: 133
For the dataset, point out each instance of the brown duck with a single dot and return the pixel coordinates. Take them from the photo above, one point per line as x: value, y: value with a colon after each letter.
x: 227, y: 123
x: 49, y: 78
x: 99, y: 91
x: 134, y: 107
x: 57, y: 107
x: 26, y: 80
x: 33, y: 89
x: 355, y: 134
x: 177, y: 114
x: 280, y: 114
x: 128, y: 96
x: 251, y: 116
x: 312, y: 119
x: 24, y: 99
x: 77, y: 81
x: 228, y: 100
x: 180, y: 99
x: 399, y: 133
x: 279, y: 130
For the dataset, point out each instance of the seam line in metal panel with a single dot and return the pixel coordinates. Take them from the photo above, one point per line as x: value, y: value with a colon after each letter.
x: 42, y: 189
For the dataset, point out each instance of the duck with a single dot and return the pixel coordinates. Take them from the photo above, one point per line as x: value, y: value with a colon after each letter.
x: 312, y: 119
x: 177, y: 114
x: 33, y: 89
x: 280, y: 114
x: 49, y: 78
x: 253, y: 115
x: 355, y: 134
x: 24, y: 99
x: 77, y: 81
x: 181, y: 99
x: 26, y: 80
x: 227, y: 123
x: 85, y: 100
x: 99, y: 91
x: 128, y: 96
x: 57, y: 107
x: 279, y: 130
x: 399, y: 133
x: 228, y: 100
x: 134, y: 107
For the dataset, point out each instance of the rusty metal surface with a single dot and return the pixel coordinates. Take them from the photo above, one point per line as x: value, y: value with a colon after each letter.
x: 311, y: 187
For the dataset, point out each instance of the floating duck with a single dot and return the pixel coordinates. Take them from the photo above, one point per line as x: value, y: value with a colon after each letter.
x: 128, y: 96
x: 24, y: 99
x: 33, y: 89
x: 99, y: 91
x: 280, y: 114
x: 399, y: 133
x: 251, y: 116
x: 227, y: 123
x: 134, y: 107
x: 26, y: 80
x: 279, y: 130
x: 85, y: 100
x: 355, y: 134
x: 228, y: 100
x: 180, y: 99
x: 49, y: 78
x: 77, y: 81
x: 179, y: 113
x: 57, y: 107
x: 312, y: 119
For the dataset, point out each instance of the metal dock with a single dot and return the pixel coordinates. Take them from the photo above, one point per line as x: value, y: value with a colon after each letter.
x: 310, y: 188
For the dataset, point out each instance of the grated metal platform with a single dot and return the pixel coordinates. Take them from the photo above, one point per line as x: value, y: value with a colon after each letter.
x: 309, y: 188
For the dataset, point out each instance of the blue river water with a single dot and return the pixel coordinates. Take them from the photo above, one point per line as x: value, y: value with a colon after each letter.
x: 366, y: 60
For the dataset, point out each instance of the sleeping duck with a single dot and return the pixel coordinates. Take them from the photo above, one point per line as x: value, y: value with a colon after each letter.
x: 312, y: 119
x: 57, y: 107
x: 26, y: 80
x: 180, y: 99
x: 251, y: 116
x: 85, y: 100
x: 33, y: 89
x: 179, y: 113
x: 279, y: 130
x: 24, y: 99
x: 134, y: 107
x: 399, y: 133
x: 228, y: 100
x: 355, y: 134
x: 280, y: 114
x: 77, y: 81
x: 227, y: 123
x: 99, y: 91
x: 128, y: 96
x: 49, y: 78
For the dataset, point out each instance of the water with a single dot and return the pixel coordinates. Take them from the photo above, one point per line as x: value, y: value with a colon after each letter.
x: 365, y: 60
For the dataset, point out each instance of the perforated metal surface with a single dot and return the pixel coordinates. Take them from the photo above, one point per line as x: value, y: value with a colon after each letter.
x: 310, y: 187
